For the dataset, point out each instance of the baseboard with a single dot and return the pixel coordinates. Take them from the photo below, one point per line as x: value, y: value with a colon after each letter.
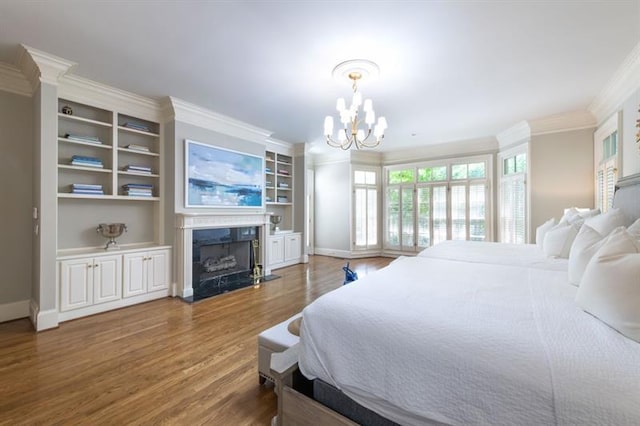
x: 42, y: 320
x: 14, y: 310
x: 344, y: 254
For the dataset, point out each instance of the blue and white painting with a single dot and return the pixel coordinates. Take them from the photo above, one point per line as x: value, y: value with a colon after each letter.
x: 219, y: 177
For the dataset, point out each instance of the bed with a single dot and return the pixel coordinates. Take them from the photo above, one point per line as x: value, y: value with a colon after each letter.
x: 472, y: 333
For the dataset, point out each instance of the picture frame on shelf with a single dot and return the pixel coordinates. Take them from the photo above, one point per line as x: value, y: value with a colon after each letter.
x: 222, y: 178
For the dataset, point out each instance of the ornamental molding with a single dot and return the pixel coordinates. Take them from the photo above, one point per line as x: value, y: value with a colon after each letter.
x: 622, y: 84
x: 41, y: 67
x: 224, y: 220
x: 575, y: 120
x: 185, y: 112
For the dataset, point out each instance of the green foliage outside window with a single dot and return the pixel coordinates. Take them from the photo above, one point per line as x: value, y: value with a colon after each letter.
x: 401, y: 176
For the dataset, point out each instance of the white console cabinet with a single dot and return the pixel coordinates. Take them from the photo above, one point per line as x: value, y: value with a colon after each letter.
x: 92, y: 282
x: 284, y: 249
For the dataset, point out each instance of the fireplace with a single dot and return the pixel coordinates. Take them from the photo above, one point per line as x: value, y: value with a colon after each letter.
x: 204, y: 243
x: 222, y: 260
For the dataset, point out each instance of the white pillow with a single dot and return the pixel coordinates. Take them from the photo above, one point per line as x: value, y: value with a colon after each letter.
x: 610, y: 287
x: 586, y: 244
x: 568, y: 215
x: 580, y: 218
x: 634, y: 229
x: 542, y: 230
x: 558, y: 240
x: 607, y: 222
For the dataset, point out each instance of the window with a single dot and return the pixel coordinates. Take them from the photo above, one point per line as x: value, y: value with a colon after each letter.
x: 365, y: 191
x: 606, y: 159
x: 430, y: 203
x: 513, y: 196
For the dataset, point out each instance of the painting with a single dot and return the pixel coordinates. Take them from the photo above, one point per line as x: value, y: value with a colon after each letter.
x: 217, y: 177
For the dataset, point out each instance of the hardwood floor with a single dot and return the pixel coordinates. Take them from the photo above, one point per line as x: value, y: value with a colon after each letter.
x: 160, y: 362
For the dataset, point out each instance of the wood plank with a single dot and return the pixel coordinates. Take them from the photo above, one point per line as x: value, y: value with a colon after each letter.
x: 164, y: 361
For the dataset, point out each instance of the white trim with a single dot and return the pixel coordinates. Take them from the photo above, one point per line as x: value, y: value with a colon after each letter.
x: 38, y: 66
x: 273, y: 144
x: 120, y: 303
x: 369, y: 158
x: 14, y: 310
x: 520, y: 132
x: 78, y: 89
x: 43, y: 320
x: 335, y: 157
x: 624, y: 82
x: 575, y: 120
x: 189, y: 113
x: 441, y: 151
x: 346, y: 254
x: 12, y: 80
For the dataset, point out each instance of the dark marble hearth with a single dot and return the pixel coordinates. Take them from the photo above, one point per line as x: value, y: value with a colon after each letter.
x: 223, y: 284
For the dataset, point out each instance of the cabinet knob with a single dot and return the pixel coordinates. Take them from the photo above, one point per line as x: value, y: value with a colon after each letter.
x: 89, y: 266
x: 96, y: 265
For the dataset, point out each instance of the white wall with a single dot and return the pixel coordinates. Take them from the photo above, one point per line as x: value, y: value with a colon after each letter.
x: 561, y: 174
x: 630, y: 150
x: 16, y: 192
x: 332, y: 208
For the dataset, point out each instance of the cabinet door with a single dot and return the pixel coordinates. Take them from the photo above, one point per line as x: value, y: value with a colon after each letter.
x: 76, y: 284
x: 275, y: 250
x: 107, y: 279
x: 135, y: 274
x: 292, y: 248
x: 158, y: 270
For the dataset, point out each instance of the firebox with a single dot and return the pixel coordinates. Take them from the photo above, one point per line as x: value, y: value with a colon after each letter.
x: 223, y: 260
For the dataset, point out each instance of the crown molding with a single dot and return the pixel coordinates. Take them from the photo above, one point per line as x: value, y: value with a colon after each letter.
x: 331, y: 157
x: 83, y: 90
x: 373, y: 158
x: 278, y: 145
x: 12, y: 80
x: 41, y: 67
x: 520, y: 132
x: 189, y: 113
x: 623, y: 83
x: 575, y: 120
x: 462, y: 148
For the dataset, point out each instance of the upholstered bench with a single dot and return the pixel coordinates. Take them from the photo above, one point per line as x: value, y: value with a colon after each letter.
x: 275, y: 339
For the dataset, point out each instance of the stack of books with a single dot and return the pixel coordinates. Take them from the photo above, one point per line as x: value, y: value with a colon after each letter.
x: 137, y: 169
x: 137, y: 147
x: 268, y: 170
x: 138, y: 190
x: 85, y: 188
x: 283, y: 185
x: 88, y: 139
x: 283, y: 172
x: 282, y: 199
x: 79, y: 160
x: 136, y: 126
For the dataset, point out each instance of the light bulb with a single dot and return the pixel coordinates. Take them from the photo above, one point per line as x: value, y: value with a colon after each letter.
x: 341, y: 135
x: 341, y: 105
x: 328, y: 125
x: 382, y: 122
x: 370, y: 118
x: 377, y: 132
x: 345, y: 116
x: 360, y: 135
x: 368, y: 105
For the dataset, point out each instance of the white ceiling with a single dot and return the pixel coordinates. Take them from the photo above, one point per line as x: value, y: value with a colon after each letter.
x: 449, y: 70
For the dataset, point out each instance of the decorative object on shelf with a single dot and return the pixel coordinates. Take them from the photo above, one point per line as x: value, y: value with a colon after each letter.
x: 221, y: 178
x: 138, y: 190
x: 67, y: 110
x: 275, y: 220
x: 351, y: 135
x: 111, y: 231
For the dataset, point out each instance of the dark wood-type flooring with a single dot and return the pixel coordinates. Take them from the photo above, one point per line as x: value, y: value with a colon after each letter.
x: 162, y: 362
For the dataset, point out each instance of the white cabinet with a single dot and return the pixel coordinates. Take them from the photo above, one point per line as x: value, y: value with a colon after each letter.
x: 284, y: 249
x: 292, y: 247
x: 88, y: 281
x: 98, y: 282
x: 146, y: 272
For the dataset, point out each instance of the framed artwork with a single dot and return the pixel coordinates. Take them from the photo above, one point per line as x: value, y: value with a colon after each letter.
x: 221, y: 178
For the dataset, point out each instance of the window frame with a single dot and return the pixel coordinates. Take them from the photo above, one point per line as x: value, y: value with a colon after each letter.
x: 376, y: 186
x: 602, y: 164
x: 505, y: 177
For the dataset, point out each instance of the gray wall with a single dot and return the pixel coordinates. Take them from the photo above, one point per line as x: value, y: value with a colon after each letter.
x: 332, y: 198
x: 561, y: 174
x: 630, y: 150
x: 16, y: 173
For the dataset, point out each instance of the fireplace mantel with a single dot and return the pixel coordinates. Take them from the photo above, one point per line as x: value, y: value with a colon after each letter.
x: 186, y: 223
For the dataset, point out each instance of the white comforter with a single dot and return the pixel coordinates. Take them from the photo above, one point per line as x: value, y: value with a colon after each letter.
x: 528, y: 255
x: 471, y: 343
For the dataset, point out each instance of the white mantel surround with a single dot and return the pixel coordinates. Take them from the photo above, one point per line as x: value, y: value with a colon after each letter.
x: 186, y: 223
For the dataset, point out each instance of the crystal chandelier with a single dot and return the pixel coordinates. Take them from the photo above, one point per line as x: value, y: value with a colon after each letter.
x: 351, y: 134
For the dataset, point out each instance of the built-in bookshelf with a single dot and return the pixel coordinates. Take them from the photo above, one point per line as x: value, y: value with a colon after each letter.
x: 103, y: 154
x: 279, y: 174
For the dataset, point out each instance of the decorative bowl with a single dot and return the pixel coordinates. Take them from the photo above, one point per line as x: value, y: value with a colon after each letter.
x: 111, y: 231
x: 275, y: 221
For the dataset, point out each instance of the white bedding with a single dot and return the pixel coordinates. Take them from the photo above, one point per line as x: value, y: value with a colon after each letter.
x: 429, y: 339
x: 496, y: 253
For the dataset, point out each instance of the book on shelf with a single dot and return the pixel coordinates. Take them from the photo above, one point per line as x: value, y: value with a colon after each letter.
x: 86, y: 186
x: 137, y: 169
x: 282, y: 199
x: 135, y: 147
x: 136, y: 126
x: 138, y: 185
x: 79, y: 138
x: 283, y: 172
x: 283, y: 185
x: 81, y: 163
x: 88, y: 191
x: 268, y: 170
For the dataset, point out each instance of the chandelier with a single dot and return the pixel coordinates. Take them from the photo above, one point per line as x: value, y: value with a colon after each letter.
x: 351, y: 134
